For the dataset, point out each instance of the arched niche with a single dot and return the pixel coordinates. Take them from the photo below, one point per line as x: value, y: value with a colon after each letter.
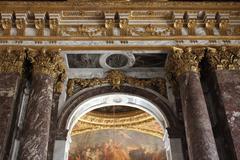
x: 143, y: 99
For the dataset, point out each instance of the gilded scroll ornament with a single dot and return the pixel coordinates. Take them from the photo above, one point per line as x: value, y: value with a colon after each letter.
x: 48, y: 62
x: 224, y: 58
x: 116, y: 79
x: 183, y: 60
x: 149, y: 30
x: 84, y: 31
x: 12, y: 60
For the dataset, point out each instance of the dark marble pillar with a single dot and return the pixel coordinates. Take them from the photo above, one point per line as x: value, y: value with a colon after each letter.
x: 48, y: 71
x: 35, y: 138
x: 199, y: 134
x: 9, y: 84
x: 183, y: 70
x: 225, y: 64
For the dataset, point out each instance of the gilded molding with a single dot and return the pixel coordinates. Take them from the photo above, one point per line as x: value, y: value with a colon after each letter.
x: 116, y: 79
x: 183, y: 60
x: 48, y: 62
x: 224, y: 58
x: 12, y: 60
x: 142, y: 122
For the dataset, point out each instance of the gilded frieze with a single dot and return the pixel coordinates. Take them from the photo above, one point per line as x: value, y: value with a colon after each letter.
x: 116, y: 79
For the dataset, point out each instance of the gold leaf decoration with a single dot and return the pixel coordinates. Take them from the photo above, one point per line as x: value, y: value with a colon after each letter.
x: 116, y: 79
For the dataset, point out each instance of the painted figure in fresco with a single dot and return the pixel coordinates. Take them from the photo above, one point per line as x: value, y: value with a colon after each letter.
x: 113, y: 151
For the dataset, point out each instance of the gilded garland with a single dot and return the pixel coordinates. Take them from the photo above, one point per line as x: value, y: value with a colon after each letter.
x: 116, y: 79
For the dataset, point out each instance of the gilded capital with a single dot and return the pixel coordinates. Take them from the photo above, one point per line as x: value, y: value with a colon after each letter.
x: 183, y: 60
x: 48, y: 62
x: 12, y: 60
x: 224, y: 58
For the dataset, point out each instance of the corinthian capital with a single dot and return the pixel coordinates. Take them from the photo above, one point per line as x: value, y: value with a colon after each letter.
x: 11, y: 60
x: 48, y: 62
x: 183, y: 60
x: 221, y: 58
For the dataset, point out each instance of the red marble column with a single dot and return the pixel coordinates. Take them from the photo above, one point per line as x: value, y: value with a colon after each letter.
x: 35, y: 138
x: 48, y: 71
x: 11, y: 62
x: 183, y: 70
x: 199, y: 134
x: 9, y: 84
x: 225, y: 64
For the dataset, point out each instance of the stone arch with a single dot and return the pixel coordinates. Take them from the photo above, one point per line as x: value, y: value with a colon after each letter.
x: 97, y: 97
x: 159, y: 101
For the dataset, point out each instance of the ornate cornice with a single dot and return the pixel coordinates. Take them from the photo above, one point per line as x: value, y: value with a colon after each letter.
x: 183, y: 60
x: 116, y: 79
x: 224, y: 58
x: 48, y: 62
x: 12, y: 60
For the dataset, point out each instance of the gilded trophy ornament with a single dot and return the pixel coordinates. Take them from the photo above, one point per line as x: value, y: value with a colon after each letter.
x: 48, y: 62
x: 12, y: 60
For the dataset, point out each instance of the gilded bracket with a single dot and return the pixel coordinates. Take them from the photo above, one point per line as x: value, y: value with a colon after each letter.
x: 6, y: 25
x: 20, y: 25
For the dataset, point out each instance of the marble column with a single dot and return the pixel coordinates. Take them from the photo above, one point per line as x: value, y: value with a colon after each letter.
x: 183, y: 69
x: 10, y: 75
x: 225, y: 65
x: 46, y: 71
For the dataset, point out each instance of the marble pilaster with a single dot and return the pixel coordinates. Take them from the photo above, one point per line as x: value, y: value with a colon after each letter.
x: 10, y: 76
x: 9, y: 84
x: 225, y: 64
x: 183, y: 70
